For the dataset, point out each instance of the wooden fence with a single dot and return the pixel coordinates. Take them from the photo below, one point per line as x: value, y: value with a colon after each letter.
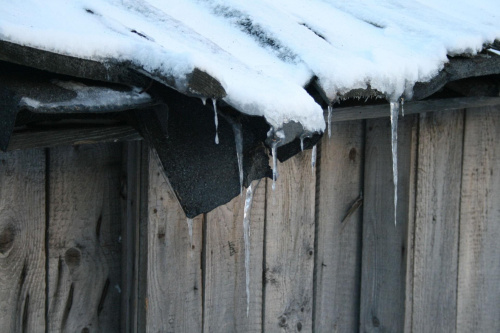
x: 93, y: 240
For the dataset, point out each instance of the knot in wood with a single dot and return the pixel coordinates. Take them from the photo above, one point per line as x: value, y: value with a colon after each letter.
x: 73, y: 257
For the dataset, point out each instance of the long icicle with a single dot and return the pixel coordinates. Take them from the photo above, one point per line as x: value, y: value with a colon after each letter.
x: 313, y: 158
x: 190, y: 228
x: 238, y: 139
x: 216, y: 120
x: 246, y: 237
x: 330, y: 109
x: 275, y: 164
x: 394, y: 145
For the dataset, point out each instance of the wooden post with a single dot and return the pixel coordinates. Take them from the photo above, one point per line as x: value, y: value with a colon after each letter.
x: 289, y: 247
x: 384, y: 254
x: 225, y: 281
x: 22, y: 237
x: 170, y: 284
x: 478, y: 308
x: 84, y: 235
x: 435, y: 253
x: 338, y: 256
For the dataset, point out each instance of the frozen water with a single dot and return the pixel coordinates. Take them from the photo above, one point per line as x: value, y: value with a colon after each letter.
x: 394, y: 145
x: 204, y: 100
x: 216, y: 120
x: 275, y: 164
x: 238, y: 139
x: 329, y: 121
x: 190, y: 230
x: 313, y: 158
x: 246, y: 236
x: 402, y: 106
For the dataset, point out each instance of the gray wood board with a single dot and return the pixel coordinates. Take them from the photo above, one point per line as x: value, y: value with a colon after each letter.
x: 437, y: 222
x: 338, y: 256
x: 173, y: 282
x: 412, y: 107
x: 22, y: 236
x: 289, y: 247
x: 225, y: 276
x: 479, y: 263
x: 384, y: 254
x: 84, y: 250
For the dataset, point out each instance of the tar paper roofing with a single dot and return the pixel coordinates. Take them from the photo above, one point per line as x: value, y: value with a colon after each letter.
x: 263, y: 52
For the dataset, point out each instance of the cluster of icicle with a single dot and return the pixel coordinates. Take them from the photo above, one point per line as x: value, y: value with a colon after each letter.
x: 276, y: 137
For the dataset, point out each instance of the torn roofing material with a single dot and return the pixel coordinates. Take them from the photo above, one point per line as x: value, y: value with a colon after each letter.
x: 262, y: 52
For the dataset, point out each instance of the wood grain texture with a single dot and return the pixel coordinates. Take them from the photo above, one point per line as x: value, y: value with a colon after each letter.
x: 84, y: 250
x: 22, y: 235
x: 173, y: 287
x: 338, y: 256
x: 225, y: 281
x: 384, y: 254
x: 289, y: 247
x: 479, y: 265
x: 437, y: 222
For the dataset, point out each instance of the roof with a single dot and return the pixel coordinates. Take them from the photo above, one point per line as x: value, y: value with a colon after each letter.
x: 271, y: 68
x: 249, y: 49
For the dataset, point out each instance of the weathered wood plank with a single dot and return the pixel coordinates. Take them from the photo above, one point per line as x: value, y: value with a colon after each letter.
x: 225, y: 281
x: 384, y: 254
x: 173, y: 286
x: 84, y: 250
x: 338, y: 256
x: 289, y: 247
x: 479, y: 264
x: 71, y: 136
x: 382, y: 110
x: 22, y: 235
x: 437, y: 222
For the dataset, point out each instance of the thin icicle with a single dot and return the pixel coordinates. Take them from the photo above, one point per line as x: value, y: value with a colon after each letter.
x: 394, y: 144
x: 330, y: 109
x: 313, y: 158
x: 275, y: 164
x: 190, y: 228
x: 216, y: 119
x: 402, y: 106
x: 238, y: 139
x: 204, y: 100
x: 246, y: 236
x: 301, y: 143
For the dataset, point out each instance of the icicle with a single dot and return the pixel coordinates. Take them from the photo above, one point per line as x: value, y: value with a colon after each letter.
x: 238, y: 139
x: 394, y: 144
x: 216, y: 119
x: 246, y: 237
x: 402, y: 106
x: 301, y: 143
x: 313, y: 159
x: 275, y: 164
x: 190, y: 228
x: 204, y: 100
x: 330, y: 109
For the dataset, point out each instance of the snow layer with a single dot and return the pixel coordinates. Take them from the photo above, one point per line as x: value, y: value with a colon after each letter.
x: 264, y: 51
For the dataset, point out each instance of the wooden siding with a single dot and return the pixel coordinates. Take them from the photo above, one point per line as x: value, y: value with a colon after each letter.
x: 93, y: 240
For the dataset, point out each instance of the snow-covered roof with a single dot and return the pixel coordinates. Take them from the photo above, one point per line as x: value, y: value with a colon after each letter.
x: 263, y: 52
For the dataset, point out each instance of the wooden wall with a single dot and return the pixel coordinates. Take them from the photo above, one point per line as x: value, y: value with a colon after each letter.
x: 93, y: 240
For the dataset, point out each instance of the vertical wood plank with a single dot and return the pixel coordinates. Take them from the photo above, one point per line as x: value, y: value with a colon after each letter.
x: 84, y: 249
x: 338, y: 257
x: 22, y: 236
x: 384, y: 254
x: 225, y: 281
x: 173, y: 286
x: 289, y: 247
x: 437, y: 221
x: 479, y: 264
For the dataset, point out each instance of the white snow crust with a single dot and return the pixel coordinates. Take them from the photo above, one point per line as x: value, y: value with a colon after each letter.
x: 264, y: 51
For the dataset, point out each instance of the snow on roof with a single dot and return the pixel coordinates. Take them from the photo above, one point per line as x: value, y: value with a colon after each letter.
x: 264, y: 52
